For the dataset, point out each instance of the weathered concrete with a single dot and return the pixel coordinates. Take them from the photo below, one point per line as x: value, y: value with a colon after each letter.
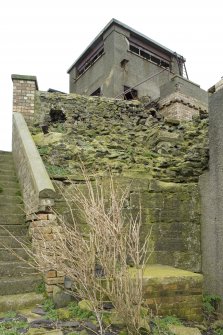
x: 107, y: 71
x: 211, y: 185
x: 37, y: 189
x: 182, y: 99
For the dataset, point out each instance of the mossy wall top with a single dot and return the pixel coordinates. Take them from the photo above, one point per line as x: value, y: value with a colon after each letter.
x: 125, y: 136
x: 131, y: 139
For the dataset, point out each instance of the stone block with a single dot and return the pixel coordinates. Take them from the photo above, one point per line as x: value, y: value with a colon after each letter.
x: 173, y: 291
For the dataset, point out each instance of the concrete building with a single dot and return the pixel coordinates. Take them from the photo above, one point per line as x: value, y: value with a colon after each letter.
x: 121, y: 59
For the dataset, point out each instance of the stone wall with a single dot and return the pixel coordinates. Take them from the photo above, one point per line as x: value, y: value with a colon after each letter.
x: 160, y: 158
x: 128, y: 137
x: 170, y: 212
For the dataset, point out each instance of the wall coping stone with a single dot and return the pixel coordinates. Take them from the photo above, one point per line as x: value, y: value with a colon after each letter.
x: 25, y: 77
x: 41, y: 179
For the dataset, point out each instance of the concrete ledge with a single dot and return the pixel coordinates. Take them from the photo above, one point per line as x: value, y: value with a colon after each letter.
x: 34, y: 180
x: 185, y: 87
x: 24, y: 77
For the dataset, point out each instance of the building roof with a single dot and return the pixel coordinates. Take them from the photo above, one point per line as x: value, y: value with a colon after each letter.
x: 135, y: 33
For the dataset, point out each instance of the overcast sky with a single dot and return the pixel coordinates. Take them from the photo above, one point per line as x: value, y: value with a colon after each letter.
x: 43, y: 38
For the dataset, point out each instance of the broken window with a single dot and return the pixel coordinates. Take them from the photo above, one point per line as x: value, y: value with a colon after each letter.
x: 149, y: 55
x: 130, y: 93
x: 97, y: 93
x: 90, y: 59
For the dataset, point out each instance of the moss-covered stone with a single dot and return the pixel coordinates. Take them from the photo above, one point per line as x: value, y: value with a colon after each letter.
x: 158, y: 160
x: 106, y: 133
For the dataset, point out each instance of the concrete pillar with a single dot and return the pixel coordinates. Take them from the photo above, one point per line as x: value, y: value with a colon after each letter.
x: 211, y: 186
x: 24, y: 88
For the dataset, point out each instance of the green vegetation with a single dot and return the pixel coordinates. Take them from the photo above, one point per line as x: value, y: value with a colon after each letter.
x: 10, y: 314
x: 57, y: 170
x: 210, y: 304
x: 13, y: 327
x: 40, y: 288
x: 79, y: 313
x: 44, y: 150
x: 161, y: 325
x: 49, y: 308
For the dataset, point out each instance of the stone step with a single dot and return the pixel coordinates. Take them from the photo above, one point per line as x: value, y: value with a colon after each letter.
x: 17, y: 230
x: 13, y: 241
x: 11, y: 191
x: 7, y: 172
x: 16, y: 269
x: 16, y: 285
x: 7, y: 166
x: 6, y: 158
x: 6, y: 155
x: 20, y: 302
x: 9, y: 177
x: 8, y: 256
x: 175, y: 291
x: 11, y: 209
x: 9, y: 184
x: 10, y: 199
x: 14, y: 219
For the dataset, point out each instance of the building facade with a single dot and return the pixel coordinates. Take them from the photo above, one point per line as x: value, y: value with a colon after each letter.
x: 123, y: 60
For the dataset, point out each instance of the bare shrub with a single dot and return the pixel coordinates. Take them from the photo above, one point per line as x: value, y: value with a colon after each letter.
x: 106, y: 259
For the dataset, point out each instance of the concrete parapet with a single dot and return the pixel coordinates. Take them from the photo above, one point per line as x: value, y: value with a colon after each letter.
x: 37, y: 189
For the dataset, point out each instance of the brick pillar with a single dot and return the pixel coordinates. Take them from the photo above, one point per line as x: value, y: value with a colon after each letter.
x: 24, y: 88
x: 42, y: 228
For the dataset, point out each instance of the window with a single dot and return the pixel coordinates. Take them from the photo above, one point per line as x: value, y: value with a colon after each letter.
x: 149, y: 55
x: 96, y: 93
x: 130, y: 93
x: 90, y: 59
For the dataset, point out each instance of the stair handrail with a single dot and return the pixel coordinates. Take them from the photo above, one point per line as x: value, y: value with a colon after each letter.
x: 37, y: 189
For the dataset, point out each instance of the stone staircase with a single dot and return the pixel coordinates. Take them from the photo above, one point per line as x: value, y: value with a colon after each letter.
x: 16, y: 276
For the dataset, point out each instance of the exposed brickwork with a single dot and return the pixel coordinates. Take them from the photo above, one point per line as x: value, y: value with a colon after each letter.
x: 180, y: 106
x: 42, y: 228
x: 24, y: 88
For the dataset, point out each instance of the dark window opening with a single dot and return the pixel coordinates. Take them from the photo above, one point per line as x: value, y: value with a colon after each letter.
x: 57, y: 115
x: 97, y: 93
x: 134, y: 49
x: 146, y: 54
x: 130, y: 93
x: 90, y: 60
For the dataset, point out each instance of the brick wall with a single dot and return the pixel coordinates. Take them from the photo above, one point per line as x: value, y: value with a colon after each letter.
x: 24, y: 88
